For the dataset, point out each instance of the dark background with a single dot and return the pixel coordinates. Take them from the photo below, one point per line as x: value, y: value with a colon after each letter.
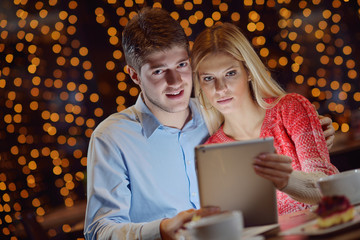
x: 48, y: 114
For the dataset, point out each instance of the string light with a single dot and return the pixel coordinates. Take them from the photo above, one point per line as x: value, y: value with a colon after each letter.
x: 56, y: 85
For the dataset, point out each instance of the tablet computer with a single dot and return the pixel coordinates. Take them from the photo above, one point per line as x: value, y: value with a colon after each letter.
x: 227, y: 179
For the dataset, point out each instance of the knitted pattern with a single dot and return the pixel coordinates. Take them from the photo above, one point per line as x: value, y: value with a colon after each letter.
x: 297, y: 133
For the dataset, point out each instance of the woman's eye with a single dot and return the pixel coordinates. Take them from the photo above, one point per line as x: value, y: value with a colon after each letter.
x: 231, y: 73
x: 207, y: 79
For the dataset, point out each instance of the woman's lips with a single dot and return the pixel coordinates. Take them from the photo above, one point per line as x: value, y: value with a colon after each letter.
x: 224, y: 100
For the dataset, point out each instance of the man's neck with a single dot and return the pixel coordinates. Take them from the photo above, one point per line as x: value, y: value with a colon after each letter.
x: 174, y: 120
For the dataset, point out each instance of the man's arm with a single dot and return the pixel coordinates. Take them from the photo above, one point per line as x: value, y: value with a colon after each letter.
x: 109, y: 196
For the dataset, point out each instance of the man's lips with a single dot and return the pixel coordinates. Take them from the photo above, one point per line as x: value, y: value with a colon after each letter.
x: 175, y: 94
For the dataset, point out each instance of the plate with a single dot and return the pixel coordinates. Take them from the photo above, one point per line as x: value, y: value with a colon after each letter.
x: 311, y: 228
x: 248, y: 233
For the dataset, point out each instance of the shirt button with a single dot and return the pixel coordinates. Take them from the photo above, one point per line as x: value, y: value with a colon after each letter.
x: 193, y: 194
x: 188, y: 162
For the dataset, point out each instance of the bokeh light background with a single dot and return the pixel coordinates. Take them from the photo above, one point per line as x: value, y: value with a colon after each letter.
x: 62, y: 72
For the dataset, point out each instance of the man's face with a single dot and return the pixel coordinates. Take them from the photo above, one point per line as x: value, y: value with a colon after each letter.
x: 166, y: 81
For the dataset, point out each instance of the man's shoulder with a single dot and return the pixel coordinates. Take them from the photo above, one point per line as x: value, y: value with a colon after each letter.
x: 120, y: 120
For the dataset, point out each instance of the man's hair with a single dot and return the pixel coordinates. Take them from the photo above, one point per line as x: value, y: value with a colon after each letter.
x: 152, y: 29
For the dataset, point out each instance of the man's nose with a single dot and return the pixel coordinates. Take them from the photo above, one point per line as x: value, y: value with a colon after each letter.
x: 173, y: 77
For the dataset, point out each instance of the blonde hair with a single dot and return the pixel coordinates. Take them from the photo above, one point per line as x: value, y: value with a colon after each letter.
x: 227, y: 38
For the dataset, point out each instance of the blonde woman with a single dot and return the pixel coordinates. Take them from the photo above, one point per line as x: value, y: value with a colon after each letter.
x: 239, y: 101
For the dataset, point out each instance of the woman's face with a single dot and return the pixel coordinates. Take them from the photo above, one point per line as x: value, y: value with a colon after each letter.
x: 224, y: 81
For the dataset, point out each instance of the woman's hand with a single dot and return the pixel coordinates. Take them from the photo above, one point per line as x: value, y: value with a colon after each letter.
x: 170, y: 226
x: 274, y: 167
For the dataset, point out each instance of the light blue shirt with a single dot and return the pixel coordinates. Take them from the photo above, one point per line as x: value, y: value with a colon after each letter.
x: 139, y: 172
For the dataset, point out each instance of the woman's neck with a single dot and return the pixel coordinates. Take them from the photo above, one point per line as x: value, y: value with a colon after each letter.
x: 246, y: 123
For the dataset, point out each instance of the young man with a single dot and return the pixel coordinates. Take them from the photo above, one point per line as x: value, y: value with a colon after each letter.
x: 141, y: 173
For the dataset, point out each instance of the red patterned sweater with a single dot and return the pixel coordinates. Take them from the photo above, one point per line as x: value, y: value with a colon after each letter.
x: 297, y: 133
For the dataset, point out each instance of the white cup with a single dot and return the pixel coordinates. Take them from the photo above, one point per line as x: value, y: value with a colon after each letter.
x: 346, y: 183
x: 224, y: 226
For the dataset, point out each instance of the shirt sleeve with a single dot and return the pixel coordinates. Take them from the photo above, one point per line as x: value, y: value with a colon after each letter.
x: 303, y: 126
x: 109, y: 196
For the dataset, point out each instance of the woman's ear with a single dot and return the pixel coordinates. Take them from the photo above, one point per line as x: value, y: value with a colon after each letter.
x: 133, y: 74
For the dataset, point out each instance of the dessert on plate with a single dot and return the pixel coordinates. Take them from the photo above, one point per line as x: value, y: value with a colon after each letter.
x: 333, y: 210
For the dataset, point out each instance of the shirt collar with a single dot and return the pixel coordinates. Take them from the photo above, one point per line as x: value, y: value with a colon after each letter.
x: 150, y: 123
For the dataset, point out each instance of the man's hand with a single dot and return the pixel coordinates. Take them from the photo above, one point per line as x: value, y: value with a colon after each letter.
x: 170, y: 226
x: 329, y: 130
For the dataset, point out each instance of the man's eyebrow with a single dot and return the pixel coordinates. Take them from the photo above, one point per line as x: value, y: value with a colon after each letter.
x: 165, y: 65
x: 157, y: 66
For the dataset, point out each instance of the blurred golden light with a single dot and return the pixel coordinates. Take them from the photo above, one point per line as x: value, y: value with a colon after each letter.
x: 346, y: 87
x: 342, y: 96
x: 319, y: 34
x: 264, y: 52
x: 320, y: 47
x: 347, y: 50
x: 199, y: 15
x: 292, y: 36
x: 134, y: 91
x: 120, y: 11
x: 43, y: 13
x: 223, y: 7
x: 311, y: 81
x: 216, y: 16
x: 336, y: 4
x: 110, y: 65
x: 72, y: 19
x: 63, y: 15
x: 122, y: 86
x: 235, y: 16
x: 251, y: 27
x: 295, y: 47
x: 209, y: 22
x: 324, y: 59
x: 57, y: 170
x: 188, y: 6
x: 345, y: 127
x: 352, y: 74
x: 69, y: 203
x: 338, y: 60
x: 357, y: 96
x: 321, y: 82
x: 335, y: 29
x: 323, y: 25
x: 309, y: 28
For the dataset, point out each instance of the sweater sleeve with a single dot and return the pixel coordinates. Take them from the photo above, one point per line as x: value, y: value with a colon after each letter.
x: 303, y: 126
x: 302, y: 187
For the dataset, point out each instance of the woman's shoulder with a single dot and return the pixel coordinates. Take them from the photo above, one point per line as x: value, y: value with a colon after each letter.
x: 293, y: 99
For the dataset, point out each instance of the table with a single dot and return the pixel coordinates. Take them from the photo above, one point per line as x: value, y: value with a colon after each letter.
x: 292, y: 220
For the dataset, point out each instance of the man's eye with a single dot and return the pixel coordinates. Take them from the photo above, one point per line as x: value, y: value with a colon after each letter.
x: 183, y: 64
x: 158, y: 72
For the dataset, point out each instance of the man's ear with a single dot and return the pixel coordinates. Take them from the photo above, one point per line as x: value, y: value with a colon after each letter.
x: 133, y: 74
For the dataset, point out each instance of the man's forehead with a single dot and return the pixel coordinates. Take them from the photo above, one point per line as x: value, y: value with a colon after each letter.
x: 162, y: 57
